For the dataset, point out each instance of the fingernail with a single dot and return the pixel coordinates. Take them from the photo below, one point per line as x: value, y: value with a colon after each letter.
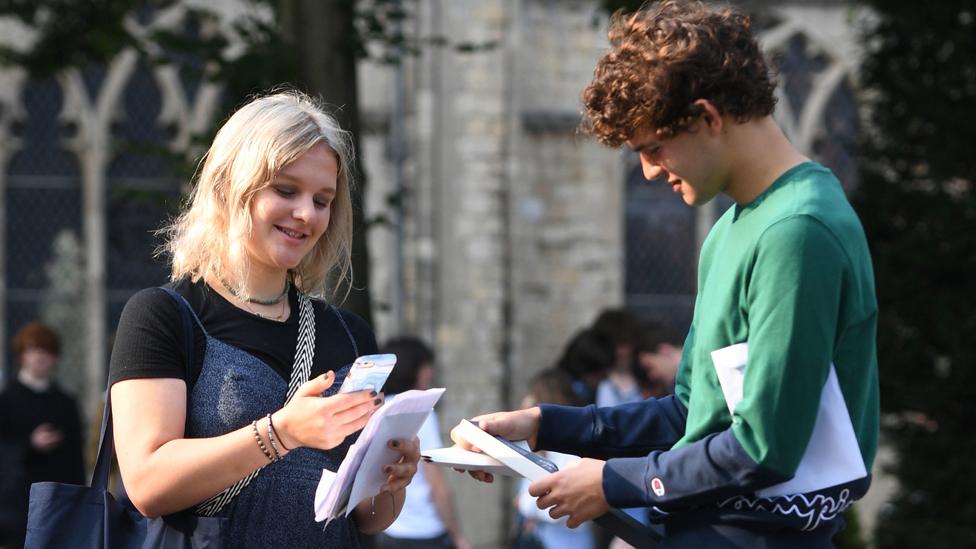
x: 394, y: 443
x: 372, y: 393
x: 378, y: 401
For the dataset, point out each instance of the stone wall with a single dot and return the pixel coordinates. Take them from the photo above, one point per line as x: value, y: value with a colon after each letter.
x: 512, y: 226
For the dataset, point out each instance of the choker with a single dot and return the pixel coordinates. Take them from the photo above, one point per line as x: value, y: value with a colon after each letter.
x: 272, y: 301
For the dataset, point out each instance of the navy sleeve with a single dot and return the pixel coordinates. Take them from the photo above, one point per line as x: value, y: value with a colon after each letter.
x: 712, y: 468
x: 633, y: 429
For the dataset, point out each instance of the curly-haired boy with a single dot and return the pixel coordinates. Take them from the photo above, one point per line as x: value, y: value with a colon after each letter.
x: 773, y: 427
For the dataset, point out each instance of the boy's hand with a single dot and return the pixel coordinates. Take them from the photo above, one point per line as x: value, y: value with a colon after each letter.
x: 576, y: 492
x: 515, y: 426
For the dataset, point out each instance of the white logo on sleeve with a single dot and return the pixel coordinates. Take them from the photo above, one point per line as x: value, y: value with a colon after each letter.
x: 657, y: 487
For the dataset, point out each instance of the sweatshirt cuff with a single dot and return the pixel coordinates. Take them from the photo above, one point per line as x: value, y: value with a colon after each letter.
x: 624, y: 482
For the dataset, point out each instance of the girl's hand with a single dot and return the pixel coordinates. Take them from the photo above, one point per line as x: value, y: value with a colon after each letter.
x: 400, y: 473
x: 314, y: 421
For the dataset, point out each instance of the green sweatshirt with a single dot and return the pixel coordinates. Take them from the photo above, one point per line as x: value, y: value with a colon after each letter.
x: 790, y: 275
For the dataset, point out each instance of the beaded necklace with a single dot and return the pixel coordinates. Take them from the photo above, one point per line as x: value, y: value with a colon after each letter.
x: 258, y: 301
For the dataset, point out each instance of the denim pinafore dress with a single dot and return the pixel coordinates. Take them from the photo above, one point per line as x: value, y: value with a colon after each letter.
x: 276, y: 509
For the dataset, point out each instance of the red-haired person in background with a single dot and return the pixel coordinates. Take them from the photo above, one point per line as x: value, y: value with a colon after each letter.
x: 39, y: 427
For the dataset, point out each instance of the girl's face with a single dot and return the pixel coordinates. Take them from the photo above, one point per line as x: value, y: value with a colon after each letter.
x: 292, y: 213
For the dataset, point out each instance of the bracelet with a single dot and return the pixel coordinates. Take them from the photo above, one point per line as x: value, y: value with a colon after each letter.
x: 272, y: 428
x: 271, y: 438
x: 257, y: 437
x: 372, y: 505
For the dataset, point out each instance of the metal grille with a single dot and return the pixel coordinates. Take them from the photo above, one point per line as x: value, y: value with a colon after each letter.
x: 661, y: 250
x: 43, y: 213
x: 142, y: 192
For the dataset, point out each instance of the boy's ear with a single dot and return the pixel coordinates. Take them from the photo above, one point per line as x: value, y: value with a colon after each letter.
x: 710, y: 116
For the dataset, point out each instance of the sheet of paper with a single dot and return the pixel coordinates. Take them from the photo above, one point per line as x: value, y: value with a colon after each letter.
x: 488, y: 444
x: 337, y: 492
x: 832, y: 456
x: 460, y: 458
x: 371, y: 477
x: 730, y: 367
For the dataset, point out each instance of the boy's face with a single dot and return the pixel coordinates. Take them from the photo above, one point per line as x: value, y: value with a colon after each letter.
x: 691, y: 162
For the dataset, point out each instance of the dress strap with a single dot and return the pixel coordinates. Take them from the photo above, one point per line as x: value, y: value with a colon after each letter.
x: 352, y: 340
x: 180, y: 299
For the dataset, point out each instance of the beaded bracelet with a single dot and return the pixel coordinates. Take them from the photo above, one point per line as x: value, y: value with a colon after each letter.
x: 257, y: 437
x: 280, y: 442
x: 271, y: 438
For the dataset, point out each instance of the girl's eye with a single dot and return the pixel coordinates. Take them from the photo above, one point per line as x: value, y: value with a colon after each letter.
x: 284, y: 191
x: 322, y: 203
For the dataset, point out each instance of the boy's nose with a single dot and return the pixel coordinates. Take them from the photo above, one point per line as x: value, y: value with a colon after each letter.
x: 651, y: 171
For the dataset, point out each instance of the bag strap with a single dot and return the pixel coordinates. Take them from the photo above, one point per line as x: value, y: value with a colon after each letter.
x: 300, y: 372
x: 106, y: 442
x: 106, y: 446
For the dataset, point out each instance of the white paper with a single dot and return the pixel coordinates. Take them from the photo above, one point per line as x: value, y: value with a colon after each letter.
x: 488, y: 444
x: 360, y: 475
x: 832, y: 456
x: 455, y: 456
x: 730, y: 367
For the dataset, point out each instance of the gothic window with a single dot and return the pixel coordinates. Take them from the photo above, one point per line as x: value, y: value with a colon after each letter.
x: 41, y: 200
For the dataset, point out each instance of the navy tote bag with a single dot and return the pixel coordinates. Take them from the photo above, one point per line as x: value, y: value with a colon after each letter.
x: 65, y: 515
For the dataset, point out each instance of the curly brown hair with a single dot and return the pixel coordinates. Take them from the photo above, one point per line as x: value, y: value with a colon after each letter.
x: 663, y: 59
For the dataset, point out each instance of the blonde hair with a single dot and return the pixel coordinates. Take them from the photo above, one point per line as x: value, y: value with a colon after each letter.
x: 258, y: 140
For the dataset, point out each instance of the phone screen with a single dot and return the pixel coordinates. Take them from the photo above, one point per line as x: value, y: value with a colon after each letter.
x: 368, y: 373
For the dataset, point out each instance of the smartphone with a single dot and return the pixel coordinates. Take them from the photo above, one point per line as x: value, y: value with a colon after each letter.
x: 368, y: 373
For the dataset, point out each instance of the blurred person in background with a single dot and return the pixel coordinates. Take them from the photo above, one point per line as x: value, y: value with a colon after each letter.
x: 656, y: 359
x: 536, y: 529
x: 39, y: 425
x: 588, y: 358
x: 623, y: 329
x: 429, y: 518
x: 622, y: 385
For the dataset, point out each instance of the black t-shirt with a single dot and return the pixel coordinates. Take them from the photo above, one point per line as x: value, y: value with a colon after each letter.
x: 149, y: 342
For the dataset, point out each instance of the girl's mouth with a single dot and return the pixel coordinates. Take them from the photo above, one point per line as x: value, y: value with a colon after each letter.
x: 290, y: 233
